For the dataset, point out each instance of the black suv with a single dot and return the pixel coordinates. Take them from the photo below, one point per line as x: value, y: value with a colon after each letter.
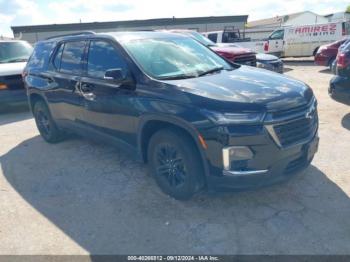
x: 198, y: 120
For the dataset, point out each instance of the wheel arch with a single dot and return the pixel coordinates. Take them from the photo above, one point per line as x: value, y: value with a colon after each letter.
x: 150, y: 125
x: 33, y: 98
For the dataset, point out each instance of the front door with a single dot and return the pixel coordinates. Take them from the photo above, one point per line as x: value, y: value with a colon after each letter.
x: 108, y: 107
x: 276, y: 42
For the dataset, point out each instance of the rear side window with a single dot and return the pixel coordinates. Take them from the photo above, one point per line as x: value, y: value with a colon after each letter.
x: 72, y: 56
x: 102, y: 57
x: 41, y: 55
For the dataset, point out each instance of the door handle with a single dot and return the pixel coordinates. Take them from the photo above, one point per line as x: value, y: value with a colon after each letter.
x: 86, y: 88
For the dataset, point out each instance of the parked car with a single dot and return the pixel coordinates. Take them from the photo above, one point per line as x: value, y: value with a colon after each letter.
x: 269, y: 62
x: 339, y: 87
x: 13, y: 57
x: 265, y: 61
x: 327, y: 54
x: 234, y: 53
x: 198, y: 120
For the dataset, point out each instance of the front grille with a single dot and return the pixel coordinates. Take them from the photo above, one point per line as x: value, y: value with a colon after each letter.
x: 13, y: 81
x: 295, y: 130
x: 246, y: 60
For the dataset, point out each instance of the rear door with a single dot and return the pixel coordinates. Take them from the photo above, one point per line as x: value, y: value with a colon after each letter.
x: 66, y: 69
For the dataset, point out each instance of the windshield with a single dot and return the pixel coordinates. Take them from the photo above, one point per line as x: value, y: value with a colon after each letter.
x: 174, y: 58
x: 11, y: 52
x: 202, y: 39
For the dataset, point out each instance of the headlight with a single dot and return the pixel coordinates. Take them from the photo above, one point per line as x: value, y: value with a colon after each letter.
x: 234, y: 118
x: 260, y: 65
x: 3, y: 86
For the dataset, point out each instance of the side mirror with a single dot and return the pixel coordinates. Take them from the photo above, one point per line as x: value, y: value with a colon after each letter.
x: 115, y: 74
x: 119, y: 77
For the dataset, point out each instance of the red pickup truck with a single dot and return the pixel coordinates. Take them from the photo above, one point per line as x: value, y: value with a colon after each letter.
x: 235, y: 54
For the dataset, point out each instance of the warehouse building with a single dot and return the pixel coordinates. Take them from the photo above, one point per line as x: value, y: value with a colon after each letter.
x: 35, y: 33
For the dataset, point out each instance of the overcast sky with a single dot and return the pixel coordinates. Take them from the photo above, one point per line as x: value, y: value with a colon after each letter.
x: 30, y: 12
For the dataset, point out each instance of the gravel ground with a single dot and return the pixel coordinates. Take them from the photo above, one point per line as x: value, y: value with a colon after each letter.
x: 78, y: 197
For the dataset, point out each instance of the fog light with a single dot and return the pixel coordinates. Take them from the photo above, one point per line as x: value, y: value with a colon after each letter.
x: 235, y: 153
x: 3, y: 86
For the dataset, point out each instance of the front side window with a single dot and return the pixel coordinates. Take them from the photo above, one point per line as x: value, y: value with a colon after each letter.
x: 12, y: 52
x: 277, y: 35
x: 102, y: 57
x: 175, y: 57
x: 213, y: 37
x: 72, y: 56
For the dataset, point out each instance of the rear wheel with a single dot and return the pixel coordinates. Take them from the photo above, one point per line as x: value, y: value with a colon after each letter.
x: 175, y: 163
x: 45, y: 124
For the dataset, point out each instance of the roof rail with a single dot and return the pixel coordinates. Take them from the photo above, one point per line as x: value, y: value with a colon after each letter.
x: 72, y: 34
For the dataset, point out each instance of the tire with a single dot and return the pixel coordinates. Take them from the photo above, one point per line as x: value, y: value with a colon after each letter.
x: 175, y: 164
x: 45, y: 124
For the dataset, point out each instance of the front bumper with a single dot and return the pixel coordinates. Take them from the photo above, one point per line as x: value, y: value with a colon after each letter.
x: 9, y: 96
x: 277, y: 67
x: 280, y: 165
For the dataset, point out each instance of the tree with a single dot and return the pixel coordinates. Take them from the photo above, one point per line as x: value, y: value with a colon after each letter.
x: 348, y: 9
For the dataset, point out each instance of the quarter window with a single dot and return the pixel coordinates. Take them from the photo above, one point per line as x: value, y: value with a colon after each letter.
x: 72, y: 56
x: 102, y: 57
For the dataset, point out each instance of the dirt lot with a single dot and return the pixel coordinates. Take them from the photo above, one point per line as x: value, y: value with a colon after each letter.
x: 79, y: 197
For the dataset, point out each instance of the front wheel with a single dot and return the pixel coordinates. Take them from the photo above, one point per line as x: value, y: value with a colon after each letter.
x: 45, y: 124
x: 175, y: 164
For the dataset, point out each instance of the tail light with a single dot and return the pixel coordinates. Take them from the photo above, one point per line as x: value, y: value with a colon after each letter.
x: 266, y: 46
x: 342, y: 60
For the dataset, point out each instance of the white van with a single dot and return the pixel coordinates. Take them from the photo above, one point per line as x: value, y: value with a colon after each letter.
x: 304, y: 40
x: 13, y: 58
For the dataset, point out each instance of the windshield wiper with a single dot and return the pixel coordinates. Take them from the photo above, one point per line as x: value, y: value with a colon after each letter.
x: 210, y: 71
x: 176, y: 77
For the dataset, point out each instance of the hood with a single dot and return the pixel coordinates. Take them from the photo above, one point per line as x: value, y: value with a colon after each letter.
x: 265, y: 57
x: 8, y: 69
x: 234, y: 51
x: 245, y: 88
